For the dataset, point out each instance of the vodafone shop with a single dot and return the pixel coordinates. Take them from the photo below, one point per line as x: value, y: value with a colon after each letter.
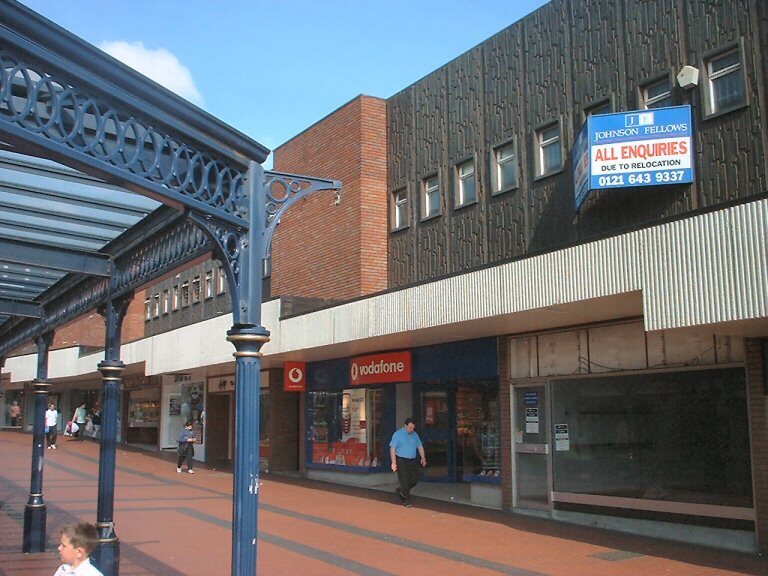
x: 353, y: 406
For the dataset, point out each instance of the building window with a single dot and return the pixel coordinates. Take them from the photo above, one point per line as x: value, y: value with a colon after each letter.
x: 148, y: 309
x: 266, y: 267
x: 550, y: 150
x: 657, y: 94
x: 185, y: 294
x: 175, y: 299
x: 466, y: 191
x: 431, y: 205
x: 600, y: 107
x: 209, y: 284
x: 221, y: 285
x: 504, y: 168
x: 156, y: 306
x: 725, y: 89
x: 196, y: 290
x: 399, y: 209
x: 166, y: 301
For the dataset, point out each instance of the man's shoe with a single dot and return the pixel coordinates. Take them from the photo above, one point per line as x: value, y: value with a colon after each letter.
x: 191, y: 471
x: 400, y: 494
x: 54, y: 446
x: 407, y: 504
x: 49, y: 447
x: 178, y: 470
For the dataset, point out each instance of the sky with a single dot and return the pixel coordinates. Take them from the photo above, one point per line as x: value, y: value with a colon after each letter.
x: 271, y: 69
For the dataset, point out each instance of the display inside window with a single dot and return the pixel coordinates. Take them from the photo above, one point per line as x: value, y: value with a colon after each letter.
x: 477, y: 428
x: 345, y: 427
x: 144, y: 409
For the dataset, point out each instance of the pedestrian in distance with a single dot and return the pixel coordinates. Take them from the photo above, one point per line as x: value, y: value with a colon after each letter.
x: 406, y: 452
x: 186, y: 448
x: 15, y: 414
x: 79, y: 418
x: 51, y: 421
x: 77, y: 543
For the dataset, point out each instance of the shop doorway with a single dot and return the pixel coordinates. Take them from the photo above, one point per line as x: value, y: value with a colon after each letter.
x: 218, y: 426
x: 458, y: 425
x: 530, y: 425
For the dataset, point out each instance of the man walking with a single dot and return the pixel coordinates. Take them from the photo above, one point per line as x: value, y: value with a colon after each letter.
x: 403, y: 448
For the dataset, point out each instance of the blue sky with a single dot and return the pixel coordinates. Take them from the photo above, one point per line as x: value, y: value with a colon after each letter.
x: 273, y: 68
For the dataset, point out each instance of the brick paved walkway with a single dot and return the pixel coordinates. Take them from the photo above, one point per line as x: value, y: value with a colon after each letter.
x: 173, y: 524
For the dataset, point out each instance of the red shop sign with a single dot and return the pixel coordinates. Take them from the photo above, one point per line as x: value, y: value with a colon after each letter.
x: 295, y: 376
x: 380, y: 368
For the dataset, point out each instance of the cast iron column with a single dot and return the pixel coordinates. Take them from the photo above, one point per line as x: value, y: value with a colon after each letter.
x: 35, y: 537
x: 248, y: 342
x: 106, y: 556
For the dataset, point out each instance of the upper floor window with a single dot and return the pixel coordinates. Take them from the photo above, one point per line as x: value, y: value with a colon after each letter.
x: 550, y: 150
x: 196, y: 289
x: 657, y: 94
x: 175, y: 298
x: 221, y: 285
x: 431, y: 206
x: 209, y: 284
x: 504, y: 168
x: 156, y: 306
x: 600, y: 107
x: 466, y: 191
x: 724, y: 87
x: 185, y: 294
x: 267, y: 266
x: 148, y: 309
x: 399, y: 209
x: 166, y: 301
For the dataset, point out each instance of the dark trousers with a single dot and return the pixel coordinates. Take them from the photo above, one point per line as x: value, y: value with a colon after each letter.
x: 185, y: 453
x: 407, y: 475
x: 51, y: 435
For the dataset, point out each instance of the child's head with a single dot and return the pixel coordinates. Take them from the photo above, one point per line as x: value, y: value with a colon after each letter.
x: 188, y: 424
x: 77, y: 543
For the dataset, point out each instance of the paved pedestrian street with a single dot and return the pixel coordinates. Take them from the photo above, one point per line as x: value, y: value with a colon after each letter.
x: 173, y: 524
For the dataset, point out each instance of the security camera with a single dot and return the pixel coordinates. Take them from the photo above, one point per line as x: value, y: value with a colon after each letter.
x: 688, y: 77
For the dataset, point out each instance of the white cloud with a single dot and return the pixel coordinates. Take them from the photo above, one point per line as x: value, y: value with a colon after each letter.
x: 160, y: 65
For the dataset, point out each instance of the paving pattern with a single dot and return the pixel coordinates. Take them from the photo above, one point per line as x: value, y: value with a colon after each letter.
x: 180, y: 524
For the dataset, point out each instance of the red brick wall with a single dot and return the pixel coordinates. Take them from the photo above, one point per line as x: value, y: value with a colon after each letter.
x: 336, y: 252
x: 758, y: 426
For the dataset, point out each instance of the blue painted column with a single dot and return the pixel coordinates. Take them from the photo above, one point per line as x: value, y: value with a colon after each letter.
x: 248, y: 342
x: 106, y: 556
x: 35, y: 512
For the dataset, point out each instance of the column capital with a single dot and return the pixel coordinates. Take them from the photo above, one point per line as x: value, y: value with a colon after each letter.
x: 248, y: 340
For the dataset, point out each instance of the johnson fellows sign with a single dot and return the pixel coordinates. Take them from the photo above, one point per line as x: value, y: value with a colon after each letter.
x: 642, y: 148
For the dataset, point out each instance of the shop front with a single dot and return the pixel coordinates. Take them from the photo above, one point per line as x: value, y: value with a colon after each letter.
x: 623, y: 425
x: 141, y: 411
x: 183, y: 400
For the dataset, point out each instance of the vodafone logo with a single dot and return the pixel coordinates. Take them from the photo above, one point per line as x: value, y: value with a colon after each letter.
x: 381, y: 368
x: 295, y: 376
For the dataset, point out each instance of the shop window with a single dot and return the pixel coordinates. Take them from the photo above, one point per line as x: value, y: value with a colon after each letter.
x: 431, y: 202
x: 209, y: 284
x: 399, y: 209
x: 175, y: 298
x: 477, y: 428
x: 549, y: 158
x: 657, y: 94
x: 466, y: 189
x: 345, y: 428
x: 724, y: 86
x: 662, y: 436
x: 196, y: 290
x: 504, y: 171
x: 185, y: 294
x: 221, y: 285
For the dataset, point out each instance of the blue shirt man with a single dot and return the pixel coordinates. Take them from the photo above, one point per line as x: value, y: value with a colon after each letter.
x: 403, y: 448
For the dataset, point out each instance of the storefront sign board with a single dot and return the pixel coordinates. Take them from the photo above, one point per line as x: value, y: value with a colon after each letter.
x: 295, y: 376
x: 384, y: 368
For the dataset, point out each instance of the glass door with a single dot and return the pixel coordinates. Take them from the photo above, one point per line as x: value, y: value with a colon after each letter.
x: 437, y: 431
x: 531, y: 447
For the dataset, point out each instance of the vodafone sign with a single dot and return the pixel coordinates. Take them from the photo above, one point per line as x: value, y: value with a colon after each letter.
x: 380, y: 368
x: 295, y: 376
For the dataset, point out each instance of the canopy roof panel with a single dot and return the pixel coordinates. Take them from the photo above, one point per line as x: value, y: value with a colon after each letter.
x: 55, y: 221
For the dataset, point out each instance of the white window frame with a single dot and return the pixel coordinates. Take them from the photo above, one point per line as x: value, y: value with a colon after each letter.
x: 166, y: 301
x: 500, y: 162
x: 185, y: 295
x: 464, y: 172
x: 196, y: 290
x: 175, y: 298
x: 156, y: 306
x: 221, y: 285
x: 209, y: 284
x: 148, y: 309
x: 657, y: 100
x: 399, y: 209
x: 713, y: 107
x: 431, y: 190
x: 543, y: 141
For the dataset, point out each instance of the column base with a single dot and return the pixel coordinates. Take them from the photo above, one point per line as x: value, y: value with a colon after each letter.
x: 34, y: 529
